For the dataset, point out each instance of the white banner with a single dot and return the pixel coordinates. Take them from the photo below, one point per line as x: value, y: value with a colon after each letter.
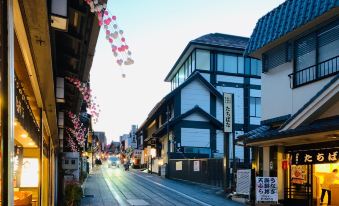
x: 243, y: 182
x: 266, y: 189
x: 228, y: 112
x: 178, y: 165
x: 196, y: 167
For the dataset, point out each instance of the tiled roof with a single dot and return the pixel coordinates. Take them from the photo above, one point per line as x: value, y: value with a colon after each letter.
x: 224, y: 40
x: 266, y: 133
x: 218, y: 40
x: 285, y: 18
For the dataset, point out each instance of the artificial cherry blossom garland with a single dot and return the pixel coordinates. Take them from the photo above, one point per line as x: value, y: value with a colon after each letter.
x: 79, y: 131
x: 114, y: 35
x: 92, y: 107
x: 71, y: 144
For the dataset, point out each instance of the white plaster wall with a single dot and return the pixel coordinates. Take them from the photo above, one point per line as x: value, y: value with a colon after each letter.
x: 303, y: 94
x: 276, y: 92
x: 255, y: 81
x: 206, y: 76
x: 196, y: 117
x: 193, y: 137
x: 220, y: 141
x: 278, y: 99
x: 193, y: 94
x: 232, y: 79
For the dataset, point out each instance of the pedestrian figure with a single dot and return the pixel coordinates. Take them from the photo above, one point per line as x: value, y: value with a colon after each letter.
x: 329, y: 180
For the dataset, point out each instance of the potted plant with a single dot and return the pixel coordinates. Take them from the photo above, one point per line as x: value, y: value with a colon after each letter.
x: 73, y: 193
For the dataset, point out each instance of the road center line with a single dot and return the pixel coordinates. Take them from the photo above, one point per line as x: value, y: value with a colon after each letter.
x: 170, y: 189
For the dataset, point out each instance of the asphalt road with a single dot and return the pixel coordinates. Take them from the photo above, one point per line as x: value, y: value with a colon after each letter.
x: 138, y: 188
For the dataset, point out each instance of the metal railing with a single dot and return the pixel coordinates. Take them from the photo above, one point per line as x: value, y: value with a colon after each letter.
x: 316, y: 72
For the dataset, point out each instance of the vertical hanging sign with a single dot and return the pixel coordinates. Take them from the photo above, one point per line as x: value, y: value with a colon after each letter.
x: 228, y: 112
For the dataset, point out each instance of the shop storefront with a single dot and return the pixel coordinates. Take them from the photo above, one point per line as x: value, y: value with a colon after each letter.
x: 27, y: 153
x: 309, y: 166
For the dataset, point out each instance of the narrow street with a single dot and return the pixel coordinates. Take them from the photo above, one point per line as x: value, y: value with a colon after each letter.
x: 114, y: 186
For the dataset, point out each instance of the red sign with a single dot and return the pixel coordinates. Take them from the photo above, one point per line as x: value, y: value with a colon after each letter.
x: 284, y: 164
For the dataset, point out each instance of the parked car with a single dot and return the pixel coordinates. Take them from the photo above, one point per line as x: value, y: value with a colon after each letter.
x: 113, y: 161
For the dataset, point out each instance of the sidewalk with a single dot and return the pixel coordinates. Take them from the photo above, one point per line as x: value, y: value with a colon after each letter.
x: 96, y: 191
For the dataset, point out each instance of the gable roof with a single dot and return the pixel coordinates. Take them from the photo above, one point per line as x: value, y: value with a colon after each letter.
x: 313, y: 99
x: 218, y: 40
x: 175, y: 120
x: 287, y: 17
x: 195, y: 76
x: 223, y: 40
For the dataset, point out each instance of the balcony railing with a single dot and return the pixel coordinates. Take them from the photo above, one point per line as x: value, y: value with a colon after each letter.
x: 316, y: 72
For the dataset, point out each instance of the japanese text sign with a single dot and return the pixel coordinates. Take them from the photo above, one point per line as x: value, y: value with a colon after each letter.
x: 315, y: 156
x: 228, y: 112
x: 266, y: 189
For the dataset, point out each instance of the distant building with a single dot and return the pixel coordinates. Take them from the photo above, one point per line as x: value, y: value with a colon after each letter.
x: 114, y: 147
x: 129, y: 140
x: 102, y: 139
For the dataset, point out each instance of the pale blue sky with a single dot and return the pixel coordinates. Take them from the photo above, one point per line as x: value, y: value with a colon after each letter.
x: 157, y: 31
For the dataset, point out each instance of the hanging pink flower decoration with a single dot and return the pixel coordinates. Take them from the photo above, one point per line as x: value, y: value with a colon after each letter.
x: 87, y: 97
x: 112, y: 29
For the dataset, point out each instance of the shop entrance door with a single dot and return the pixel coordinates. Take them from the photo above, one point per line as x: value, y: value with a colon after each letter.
x: 299, y: 190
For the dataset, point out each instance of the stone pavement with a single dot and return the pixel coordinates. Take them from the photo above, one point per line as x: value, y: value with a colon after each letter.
x: 96, y: 191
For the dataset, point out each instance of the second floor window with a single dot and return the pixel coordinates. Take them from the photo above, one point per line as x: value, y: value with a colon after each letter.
x: 238, y: 64
x: 317, y: 55
x: 255, y: 106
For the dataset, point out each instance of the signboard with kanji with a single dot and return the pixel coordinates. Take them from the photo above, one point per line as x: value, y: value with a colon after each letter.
x: 266, y: 189
x: 228, y: 112
x: 243, y: 182
x: 315, y: 156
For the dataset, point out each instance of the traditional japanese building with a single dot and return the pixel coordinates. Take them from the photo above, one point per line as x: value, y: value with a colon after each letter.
x: 41, y: 43
x: 188, y: 122
x: 297, y: 142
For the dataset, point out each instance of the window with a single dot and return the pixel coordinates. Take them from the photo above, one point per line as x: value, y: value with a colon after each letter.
x: 181, y: 75
x: 255, y: 106
x: 73, y: 162
x: 275, y: 57
x: 230, y: 64
x: 220, y: 62
x: 240, y: 65
x: 66, y: 162
x: 203, y: 59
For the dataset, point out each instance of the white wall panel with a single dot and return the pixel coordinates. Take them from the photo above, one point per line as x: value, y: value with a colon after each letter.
x: 195, y: 93
x: 196, y: 117
x: 255, y: 93
x: 193, y: 137
x: 220, y: 141
x: 232, y: 79
x: 255, y: 120
x: 255, y: 81
x: 206, y: 76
